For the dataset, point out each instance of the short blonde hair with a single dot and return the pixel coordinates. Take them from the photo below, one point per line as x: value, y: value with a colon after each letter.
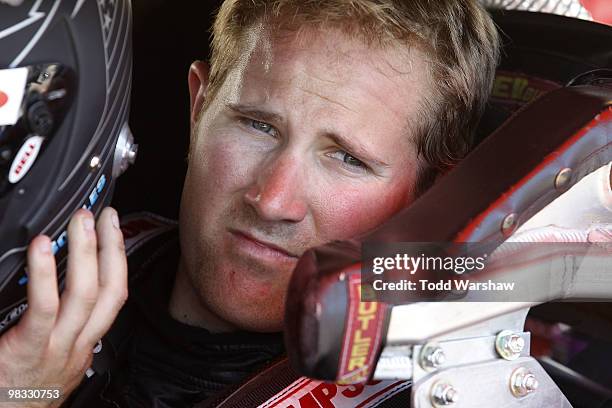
x: 458, y: 38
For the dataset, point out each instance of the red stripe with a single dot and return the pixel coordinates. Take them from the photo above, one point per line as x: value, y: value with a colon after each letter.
x: 291, y: 388
x: 373, y: 396
x: 290, y: 394
x: 465, y: 234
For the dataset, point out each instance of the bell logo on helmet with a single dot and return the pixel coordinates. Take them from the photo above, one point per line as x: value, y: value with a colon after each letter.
x: 25, y: 158
x: 3, y: 99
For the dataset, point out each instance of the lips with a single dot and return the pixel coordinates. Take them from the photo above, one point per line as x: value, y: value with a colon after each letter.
x: 268, y: 246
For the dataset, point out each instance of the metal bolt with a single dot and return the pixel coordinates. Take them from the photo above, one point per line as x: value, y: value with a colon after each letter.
x: 530, y: 383
x: 509, y: 345
x: 437, y: 357
x: 563, y: 178
x: 5, y: 154
x: 444, y: 394
x: 94, y: 163
x: 125, y: 151
x: 516, y: 343
x: 43, y: 76
x: 509, y: 224
x: 523, y: 382
x: 432, y: 357
x: 132, y: 153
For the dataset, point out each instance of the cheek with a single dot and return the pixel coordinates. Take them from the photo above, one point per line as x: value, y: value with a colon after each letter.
x: 220, y: 169
x: 211, y: 179
x: 355, y: 211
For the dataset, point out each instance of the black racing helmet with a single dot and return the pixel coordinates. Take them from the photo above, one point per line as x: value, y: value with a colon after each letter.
x: 65, y: 79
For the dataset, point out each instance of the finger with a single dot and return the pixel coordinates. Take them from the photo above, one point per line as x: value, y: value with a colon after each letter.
x: 43, y: 299
x: 112, y: 277
x: 81, y: 291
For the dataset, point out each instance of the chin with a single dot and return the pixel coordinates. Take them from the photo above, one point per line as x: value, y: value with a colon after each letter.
x: 255, y: 316
x: 245, y: 302
x: 246, y: 293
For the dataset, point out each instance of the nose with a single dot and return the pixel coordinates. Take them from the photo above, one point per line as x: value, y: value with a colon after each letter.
x: 277, y: 194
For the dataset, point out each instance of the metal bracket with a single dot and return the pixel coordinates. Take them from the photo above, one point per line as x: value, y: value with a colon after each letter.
x: 502, y: 383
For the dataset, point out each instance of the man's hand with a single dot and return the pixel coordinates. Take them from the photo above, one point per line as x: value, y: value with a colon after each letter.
x: 52, y: 344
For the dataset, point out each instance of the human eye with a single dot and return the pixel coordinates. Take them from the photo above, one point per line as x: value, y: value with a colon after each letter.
x: 349, y: 161
x: 263, y: 127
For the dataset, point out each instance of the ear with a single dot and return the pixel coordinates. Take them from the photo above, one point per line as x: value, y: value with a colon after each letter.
x: 198, y: 87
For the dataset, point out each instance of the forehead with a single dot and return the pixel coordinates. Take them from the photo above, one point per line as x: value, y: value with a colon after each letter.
x: 326, y: 70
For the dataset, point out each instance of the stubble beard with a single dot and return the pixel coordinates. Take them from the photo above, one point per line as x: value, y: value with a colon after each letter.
x: 214, y: 276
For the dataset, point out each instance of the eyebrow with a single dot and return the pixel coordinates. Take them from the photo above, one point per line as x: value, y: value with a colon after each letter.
x: 357, y: 149
x: 256, y: 113
x: 340, y: 140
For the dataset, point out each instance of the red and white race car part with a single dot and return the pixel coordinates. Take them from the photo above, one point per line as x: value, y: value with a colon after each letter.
x: 307, y: 393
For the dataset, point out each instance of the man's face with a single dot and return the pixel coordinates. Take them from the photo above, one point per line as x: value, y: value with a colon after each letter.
x: 307, y: 141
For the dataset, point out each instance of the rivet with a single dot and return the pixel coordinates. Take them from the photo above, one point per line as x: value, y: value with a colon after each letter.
x: 509, y: 224
x: 94, y: 163
x: 132, y: 153
x: 5, y: 154
x: 563, y: 178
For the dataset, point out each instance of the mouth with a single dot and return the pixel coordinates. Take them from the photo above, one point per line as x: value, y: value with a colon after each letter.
x: 260, y: 247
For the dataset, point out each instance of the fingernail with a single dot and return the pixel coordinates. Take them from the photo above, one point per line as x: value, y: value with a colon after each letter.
x: 44, y: 246
x: 115, y: 220
x: 88, y: 223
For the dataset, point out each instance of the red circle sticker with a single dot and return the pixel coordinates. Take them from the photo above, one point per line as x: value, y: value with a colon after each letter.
x: 3, y: 99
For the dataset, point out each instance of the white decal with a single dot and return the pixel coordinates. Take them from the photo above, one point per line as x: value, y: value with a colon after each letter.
x: 12, y: 89
x: 39, y: 32
x: 33, y: 16
x: 25, y: 158
x: 77, y: 8
x: 107, y: 14
x: 12, y: 315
